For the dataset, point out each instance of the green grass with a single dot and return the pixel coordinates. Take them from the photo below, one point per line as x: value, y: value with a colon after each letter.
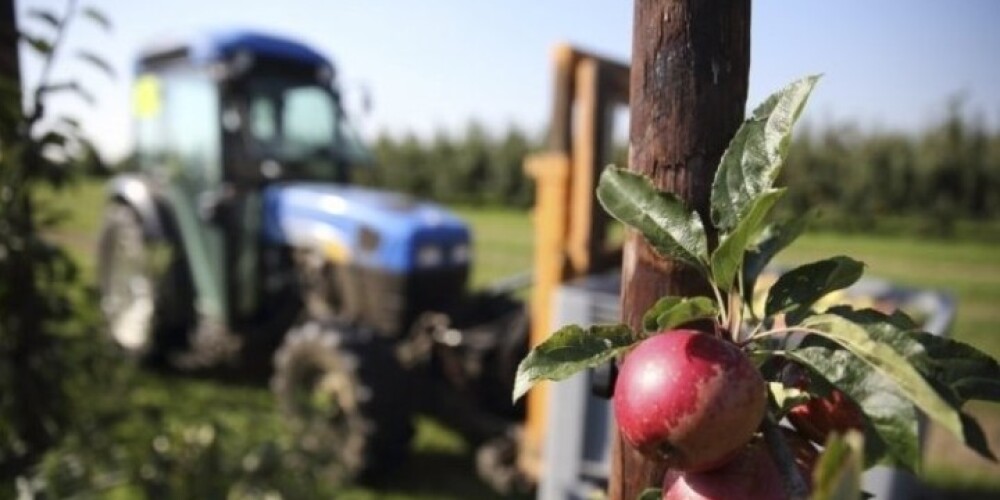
x: 502, y: 241
x: 442, y: 465
x: 78, y: 207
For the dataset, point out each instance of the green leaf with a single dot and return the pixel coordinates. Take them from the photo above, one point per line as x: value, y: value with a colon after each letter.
x: 958, y: 371
x: 570, y: 350
x: 70, y: 124
x: 727, y: 258
x: 884, y: 354
x: 978, y: 388
x: 772, y: 239
x: 891, y: 419
x: 45, y: 16
x: 753, y: 159
x: 98, y: 62
x: 961, y: 371
x: 837, y: 475
x: 53, y: 138
x: 662, y: 219
x: 650, y: 494
x: 801, y: 287
x: 785, y: 398
x: 70, y: 87
x: 669, y: 312
x: 97, y: 17
x: 970, y: 373
x: 40, y: 45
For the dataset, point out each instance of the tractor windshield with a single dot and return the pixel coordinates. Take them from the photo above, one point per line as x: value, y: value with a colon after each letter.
x: 303, y: 127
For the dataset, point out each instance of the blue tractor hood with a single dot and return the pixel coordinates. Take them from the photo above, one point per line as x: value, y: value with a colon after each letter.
x: 365, y: 227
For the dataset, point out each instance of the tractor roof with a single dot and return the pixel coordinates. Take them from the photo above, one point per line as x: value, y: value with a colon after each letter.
x: 208, y: 47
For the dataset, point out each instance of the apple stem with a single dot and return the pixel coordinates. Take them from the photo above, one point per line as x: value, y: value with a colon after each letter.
x: 795, y: 484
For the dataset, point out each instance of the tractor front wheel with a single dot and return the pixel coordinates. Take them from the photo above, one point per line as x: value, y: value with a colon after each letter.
x: 145, y: 294
x: 345, y: 401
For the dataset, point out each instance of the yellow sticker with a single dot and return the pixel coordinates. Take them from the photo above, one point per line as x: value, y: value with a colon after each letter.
x: 146, y: 97
x: 337, y: 252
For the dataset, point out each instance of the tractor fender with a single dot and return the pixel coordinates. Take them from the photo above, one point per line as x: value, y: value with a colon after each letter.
x: 133, y: 191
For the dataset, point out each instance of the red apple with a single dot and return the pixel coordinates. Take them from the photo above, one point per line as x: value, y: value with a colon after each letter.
x: 752, y: 475
x: 688, y: 398
x: 818, y: 417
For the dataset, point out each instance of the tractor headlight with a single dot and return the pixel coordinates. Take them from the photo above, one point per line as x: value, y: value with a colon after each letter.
x: 460, y: 254
x: 430, y: 256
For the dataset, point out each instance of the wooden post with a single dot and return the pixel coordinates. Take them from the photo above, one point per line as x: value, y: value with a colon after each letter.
x: 688, y: 87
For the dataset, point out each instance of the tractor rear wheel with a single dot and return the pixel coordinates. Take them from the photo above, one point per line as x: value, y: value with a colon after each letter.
x: 143, y: 288
x: 346, y: 402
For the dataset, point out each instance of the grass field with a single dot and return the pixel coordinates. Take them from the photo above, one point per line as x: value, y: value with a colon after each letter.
x: 442, y: 466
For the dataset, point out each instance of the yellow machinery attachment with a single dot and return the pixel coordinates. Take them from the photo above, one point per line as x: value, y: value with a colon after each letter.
x: 571, y: 229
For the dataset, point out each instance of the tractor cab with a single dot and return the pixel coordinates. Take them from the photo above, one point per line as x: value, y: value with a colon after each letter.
x: 245, y: 155
x: 246, y: 108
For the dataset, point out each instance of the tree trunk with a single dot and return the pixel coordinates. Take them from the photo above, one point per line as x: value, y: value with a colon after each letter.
x: 26, y: 349
x: 690, y: 63
x: 10, y: 67
x: 9, y: 63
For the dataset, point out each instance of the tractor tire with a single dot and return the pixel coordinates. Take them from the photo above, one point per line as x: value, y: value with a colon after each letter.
x: 146, y: 304
x: 347, y: 403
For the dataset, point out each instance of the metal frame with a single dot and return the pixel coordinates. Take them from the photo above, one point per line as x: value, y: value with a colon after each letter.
x: 571, y: 230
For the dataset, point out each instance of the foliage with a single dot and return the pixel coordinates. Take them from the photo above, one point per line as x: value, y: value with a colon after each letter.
x: 881, y: 362
x: 948, y: 172
x: 924, y: 182
x: 38, y: 340
x: 474, y: 168
x: 141, y: 451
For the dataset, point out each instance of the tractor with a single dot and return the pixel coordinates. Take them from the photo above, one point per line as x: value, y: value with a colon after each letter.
x: 239, y: 240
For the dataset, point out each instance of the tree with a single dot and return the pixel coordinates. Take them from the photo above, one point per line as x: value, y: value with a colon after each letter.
x: 35, y: 289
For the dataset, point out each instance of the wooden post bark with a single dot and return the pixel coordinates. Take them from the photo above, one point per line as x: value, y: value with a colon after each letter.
x: 690, y: 65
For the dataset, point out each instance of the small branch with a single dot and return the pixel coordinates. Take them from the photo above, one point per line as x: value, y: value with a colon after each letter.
x: 724, y: 316
x: 795, y: 485
x: 46, y: 72
x: 755, y: 331
x: 745, y: 293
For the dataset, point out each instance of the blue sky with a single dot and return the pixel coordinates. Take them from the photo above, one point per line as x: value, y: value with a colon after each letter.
x: 436, y: 64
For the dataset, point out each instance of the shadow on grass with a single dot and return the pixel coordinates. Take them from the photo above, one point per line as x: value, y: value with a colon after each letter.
x: 431, y: 474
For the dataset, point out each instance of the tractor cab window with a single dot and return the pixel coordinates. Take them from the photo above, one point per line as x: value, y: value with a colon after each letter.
x: 177, y: 132
x: 302, y: 127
